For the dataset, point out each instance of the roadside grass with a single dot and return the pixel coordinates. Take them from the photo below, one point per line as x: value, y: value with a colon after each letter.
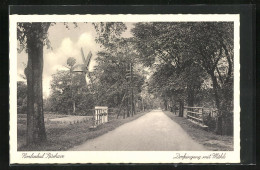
x: 61, y: 137
x: 21, y: 118
x: 208, y: 139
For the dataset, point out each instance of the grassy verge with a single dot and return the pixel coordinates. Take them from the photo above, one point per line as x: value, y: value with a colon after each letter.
x: 61, y: 137
x: 209, y: 140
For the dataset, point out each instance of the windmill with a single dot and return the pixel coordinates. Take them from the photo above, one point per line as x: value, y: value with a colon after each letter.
x: 81, y: 68
x: 84, y: 68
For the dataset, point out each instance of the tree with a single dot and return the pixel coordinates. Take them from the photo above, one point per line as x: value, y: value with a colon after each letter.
x: 110, y: 74
x: 70, y: 64
x: 161, y: 46
x: 215, y: 54
x: 62, y: 100
x: 114, y: 61
x: 166, y: 84
x: 109, y: 32
x: 32, y: 37
x: 195, y: 49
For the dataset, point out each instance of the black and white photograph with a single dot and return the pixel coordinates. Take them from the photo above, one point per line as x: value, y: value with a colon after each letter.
x: 159, y: 88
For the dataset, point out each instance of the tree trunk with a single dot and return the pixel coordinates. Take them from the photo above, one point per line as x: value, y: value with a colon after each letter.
x: 172, y: 104
x: 215, y: 88
x: 134, y: 111
x: 165, y: 104
x: 143, y: 104
x: 219, y: 122
x: 190, y: 97
x: 35, y: 117
x: 181, y: 109
x: 72, y: 92
x: 127, y: 107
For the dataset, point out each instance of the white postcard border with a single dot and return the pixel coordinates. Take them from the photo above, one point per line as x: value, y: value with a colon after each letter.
x: 16, y: 157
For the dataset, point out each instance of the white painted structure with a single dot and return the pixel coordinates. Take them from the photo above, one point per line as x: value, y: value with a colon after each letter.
x: 101, y: 114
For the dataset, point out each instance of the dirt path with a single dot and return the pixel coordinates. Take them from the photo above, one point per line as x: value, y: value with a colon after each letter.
x: 152, y: 132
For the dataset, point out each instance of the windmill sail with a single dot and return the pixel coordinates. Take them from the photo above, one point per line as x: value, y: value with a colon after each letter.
x: 83, y: 56
x: 88, y: 59
x: 84, y: 68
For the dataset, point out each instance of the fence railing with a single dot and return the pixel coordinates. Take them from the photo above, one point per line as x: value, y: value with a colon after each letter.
x: 195, y: 114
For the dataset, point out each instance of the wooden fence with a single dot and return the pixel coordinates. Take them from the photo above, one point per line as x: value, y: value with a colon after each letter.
x: 195, y: 114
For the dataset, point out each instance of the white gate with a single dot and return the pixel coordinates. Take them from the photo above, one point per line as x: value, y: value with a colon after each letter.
x: 100, y: 115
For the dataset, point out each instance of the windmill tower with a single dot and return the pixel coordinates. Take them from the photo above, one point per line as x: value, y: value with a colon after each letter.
x: 79, y: 68
x: 84, y: 68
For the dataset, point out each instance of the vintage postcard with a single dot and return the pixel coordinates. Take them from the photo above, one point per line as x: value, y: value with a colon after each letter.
x: 124, y: 88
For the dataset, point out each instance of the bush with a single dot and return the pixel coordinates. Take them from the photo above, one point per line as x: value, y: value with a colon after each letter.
x: 21, y: 97
x: 225, y: 121
x: 210, y: 122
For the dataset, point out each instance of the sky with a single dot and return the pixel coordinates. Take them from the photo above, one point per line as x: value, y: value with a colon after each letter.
x: 65, y: 43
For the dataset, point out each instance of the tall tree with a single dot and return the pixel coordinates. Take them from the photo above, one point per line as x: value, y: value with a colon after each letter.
x: 115, y: 60
x: 70, y: 63
x: 32, y: 37
x: 111, y: 70
x: 215, y: 54
x: 61, y: 98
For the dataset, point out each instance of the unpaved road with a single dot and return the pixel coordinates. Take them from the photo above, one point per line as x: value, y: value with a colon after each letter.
x: 152, y: 132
